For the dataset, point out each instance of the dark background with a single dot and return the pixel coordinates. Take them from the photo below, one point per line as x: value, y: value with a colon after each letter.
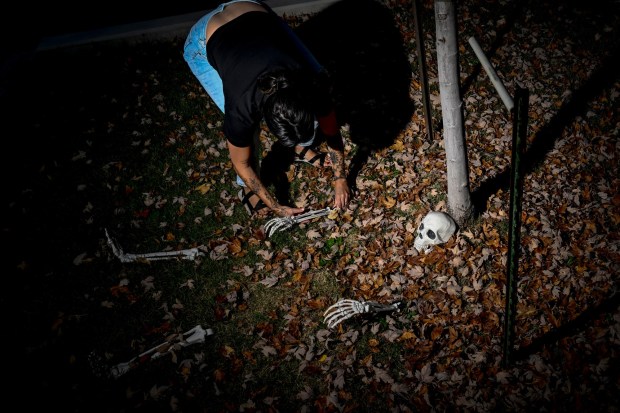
x: 25, y: 25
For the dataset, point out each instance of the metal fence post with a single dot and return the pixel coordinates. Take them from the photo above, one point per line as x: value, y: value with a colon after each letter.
x: 519, y: 140
x: 419, y: 41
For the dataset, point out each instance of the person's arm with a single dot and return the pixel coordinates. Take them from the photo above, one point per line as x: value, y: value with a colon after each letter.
x: 329, y: 127
x: 242, y: 163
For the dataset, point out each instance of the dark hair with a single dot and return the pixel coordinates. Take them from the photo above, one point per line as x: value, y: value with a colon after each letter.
x: 287, y: 108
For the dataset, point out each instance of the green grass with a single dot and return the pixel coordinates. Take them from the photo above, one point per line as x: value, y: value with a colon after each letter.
x: 121, y: 137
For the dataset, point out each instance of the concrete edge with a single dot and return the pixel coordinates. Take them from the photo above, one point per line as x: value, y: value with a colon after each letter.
x: 162, y: 28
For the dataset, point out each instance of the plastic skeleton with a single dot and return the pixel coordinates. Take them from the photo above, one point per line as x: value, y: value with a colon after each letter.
x: 188, y: 254
x: 436, y: 228
x: 193, y: 336
x: 345, y: 309
x: 281, y: 224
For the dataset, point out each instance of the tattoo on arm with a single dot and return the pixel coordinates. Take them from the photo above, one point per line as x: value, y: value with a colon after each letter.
x: 337, y: 159
x: 243, y: 166
x: 336, y: 154
x: 259, y: 189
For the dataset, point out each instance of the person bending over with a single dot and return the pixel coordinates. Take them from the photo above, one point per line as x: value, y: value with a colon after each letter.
x: 254, y: 67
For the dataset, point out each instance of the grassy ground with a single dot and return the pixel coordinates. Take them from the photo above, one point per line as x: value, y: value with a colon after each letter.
x: 120, y: 137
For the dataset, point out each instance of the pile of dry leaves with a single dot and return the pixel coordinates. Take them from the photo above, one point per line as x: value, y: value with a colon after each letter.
x: 443, y: 350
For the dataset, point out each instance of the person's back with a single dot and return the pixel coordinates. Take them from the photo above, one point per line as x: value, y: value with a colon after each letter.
x: 229, y: 50
x: 241, y: 51
x: 231, y: 12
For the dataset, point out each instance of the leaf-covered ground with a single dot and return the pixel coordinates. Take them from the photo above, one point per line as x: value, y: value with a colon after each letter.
x: 122, y: 138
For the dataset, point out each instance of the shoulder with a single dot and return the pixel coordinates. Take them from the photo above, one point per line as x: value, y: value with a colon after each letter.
x: 239, y: 128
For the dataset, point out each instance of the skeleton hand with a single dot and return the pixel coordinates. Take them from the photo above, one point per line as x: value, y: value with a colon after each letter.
x: 281, y: 224
x: 345, y: 309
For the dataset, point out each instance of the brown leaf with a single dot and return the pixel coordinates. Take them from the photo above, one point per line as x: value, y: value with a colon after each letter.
x: 316, y: 304
x: 203, y: 189
x: 407, y: 335
x: 436, y: 333
x: 219, y: 375
x: 234, y: 247
x: 388, y: 202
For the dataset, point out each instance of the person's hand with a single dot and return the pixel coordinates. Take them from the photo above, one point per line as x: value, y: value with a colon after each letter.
x: 285, y: 211
x: 343, y: 194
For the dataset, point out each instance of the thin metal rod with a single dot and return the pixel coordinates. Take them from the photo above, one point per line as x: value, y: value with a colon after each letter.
x: 519, y: 138
x: 419, y: 41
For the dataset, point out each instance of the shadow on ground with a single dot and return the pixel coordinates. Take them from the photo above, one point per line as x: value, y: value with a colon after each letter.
x: 359, y: 44
x: 370, y: 77
x: 605, y: 75
x: 543, y: 141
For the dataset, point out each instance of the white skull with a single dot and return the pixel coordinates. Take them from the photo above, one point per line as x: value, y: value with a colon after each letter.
x: 436, y: 228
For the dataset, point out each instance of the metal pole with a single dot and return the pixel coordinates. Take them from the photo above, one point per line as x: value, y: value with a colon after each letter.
x: 488, y: 67
x: 519, y: 137
x: 419, y: 41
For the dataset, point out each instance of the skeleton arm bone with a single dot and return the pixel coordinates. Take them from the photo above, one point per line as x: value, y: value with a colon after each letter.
x: 193, y: 336
x: 187, y: 254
